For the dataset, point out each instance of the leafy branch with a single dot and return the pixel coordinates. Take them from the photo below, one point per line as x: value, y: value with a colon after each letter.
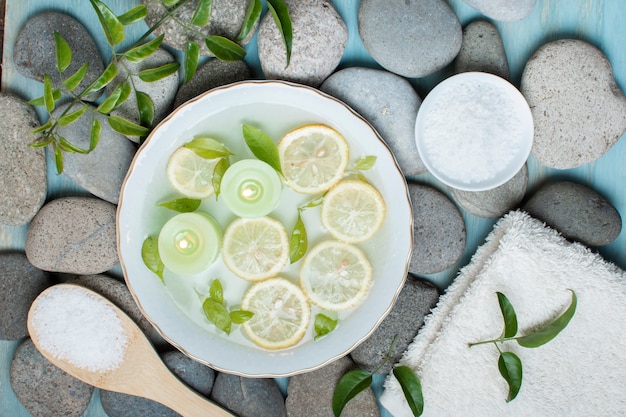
x: 509, y: 364
x: 113, y: 27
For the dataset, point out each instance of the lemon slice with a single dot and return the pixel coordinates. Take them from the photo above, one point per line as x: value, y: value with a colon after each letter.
x: 190, y: 174
x: 281, y: 313
x: 255, y: 248
x: 335, y: 275
x: 352, y: 211
x: 313, y: 158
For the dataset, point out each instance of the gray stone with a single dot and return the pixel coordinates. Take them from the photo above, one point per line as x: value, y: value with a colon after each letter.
x: 116, y: 404
x: 311, y: 394
x: 389, y: 103
x: 578, y: 109
x: 35, y: 51
x: 227, y: 17
x: 438, y: 231
x: 102, y: 171
x: 43, y: 389
x: 119, y: 294
x: 503, y: 10
x: 74, y: 235
x: 248, y: 397
x: 198, y: 376
x: 22, y: 168
x: 404, y: 320
x: 495, y: 202
x: 213, y: 73
x: 20, y: 284
x: 411, y: 38
x: 482, y: 50
x: 578, y: 212
x: 319, y: 40
x: 161, y: 92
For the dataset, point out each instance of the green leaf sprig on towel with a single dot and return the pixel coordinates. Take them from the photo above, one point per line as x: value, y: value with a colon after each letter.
x: 509, y: 364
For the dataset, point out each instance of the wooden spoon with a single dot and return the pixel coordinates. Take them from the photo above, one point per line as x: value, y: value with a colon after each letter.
x: 141, y: 372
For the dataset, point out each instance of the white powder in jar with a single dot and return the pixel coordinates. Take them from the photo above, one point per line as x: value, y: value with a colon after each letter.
x: 75, y: 326
x: 472, y: 132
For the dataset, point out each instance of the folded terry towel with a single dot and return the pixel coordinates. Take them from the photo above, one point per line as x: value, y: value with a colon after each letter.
x: 582, y: 372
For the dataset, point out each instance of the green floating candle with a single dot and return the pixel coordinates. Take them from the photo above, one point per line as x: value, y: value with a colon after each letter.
x: 251, y: 188
x: 189, y: 243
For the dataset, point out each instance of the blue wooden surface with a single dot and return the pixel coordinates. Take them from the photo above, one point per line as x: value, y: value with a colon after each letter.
x: 600, y: 22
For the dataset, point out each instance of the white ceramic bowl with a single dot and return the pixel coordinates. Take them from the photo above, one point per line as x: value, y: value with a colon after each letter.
x: 275, y: 107
x: 474, y: 131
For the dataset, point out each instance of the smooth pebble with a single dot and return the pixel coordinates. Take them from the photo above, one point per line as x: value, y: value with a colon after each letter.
x: 578, y: 212
x: 116, y: 404
x: 319, y: 40
x: 43, y: 389
x: 389, y: 102
x: 22, y: 168
x: 311, y: 394
x: 74, y: 235
x: 214, y: 73
x: 35, y: 52
x: 410, y: 38
x: 482, y: 50
x: 226, y: 19
x: 248, y: 397
x: 101, y: 171
x: 578, y: 109
x: 497, y: 201
x: 162, y: 92
x: 401, y: 325
x: 198, y: 376
x: 503, y: 10
x: 20, y: 284
x: 438, y: 231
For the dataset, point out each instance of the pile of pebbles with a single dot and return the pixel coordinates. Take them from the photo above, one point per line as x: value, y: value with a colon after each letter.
x: 73, y: 238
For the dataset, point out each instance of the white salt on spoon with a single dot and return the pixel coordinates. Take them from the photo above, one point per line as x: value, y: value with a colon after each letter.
x: 90, y: 338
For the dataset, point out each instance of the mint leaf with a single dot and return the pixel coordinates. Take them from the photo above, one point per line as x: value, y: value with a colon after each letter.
x: 217, y: 314
x: 262, y: 146
x: 182, y: 205
x: 365, y: 163
x: 323, y: 325
x: 216, y: 291
x: 240, y: 316
x: 151, y: 258
x: 208, y: 148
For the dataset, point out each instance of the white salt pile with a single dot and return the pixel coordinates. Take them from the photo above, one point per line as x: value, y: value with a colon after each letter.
x: 76, y: 326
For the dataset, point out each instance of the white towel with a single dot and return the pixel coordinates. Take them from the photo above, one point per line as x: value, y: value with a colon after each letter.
x: 582, y: 372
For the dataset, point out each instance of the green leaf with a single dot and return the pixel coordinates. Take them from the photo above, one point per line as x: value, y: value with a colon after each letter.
x: 74, y: 80
x: 156, y: 74
x: 42, y: 141
x: 298, y: 242
x: 109, y: 74
x: 280, y: 13
x: 63, y: 52
x: 225, y: 49
x: 411, y: 387
x: 42, y: 128
x: 58, y: 158
x: 208, y: 148
x: 202, y: 14
x: 67, y: 146
x: 170, y: 2
x: 48, y: 96
x: 218, y: 174
x: 73, y: 116
x: 216, y: 291
x: 133, y: 15
x: 552, y: 329
x: 39, y: 101
x: 253, y: 14
x: 111, y: 25
x: 151, y: 257
x: 365, y: 163
x: 126, y: 127
x: 262, y: 146
x: 313, y: 203
x: 110, y: 102
x: 508, y: 314
x: 351, y: 384
x: 94, y: 134
x: 141, y: 52
x: 510, y: 367
x: 192, y: 57
x: 145, y: 106
x: 124, y: 94
x: 181, y: 205
x: 240, y: 316
x: 323, y: 325
x: 217, y: 314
